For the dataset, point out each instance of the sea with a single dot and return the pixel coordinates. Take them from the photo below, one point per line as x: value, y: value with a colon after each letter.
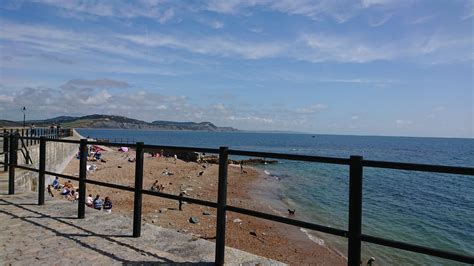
x: 428, y: 209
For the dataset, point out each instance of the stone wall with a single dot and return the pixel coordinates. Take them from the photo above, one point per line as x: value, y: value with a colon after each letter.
x: 58, y: 155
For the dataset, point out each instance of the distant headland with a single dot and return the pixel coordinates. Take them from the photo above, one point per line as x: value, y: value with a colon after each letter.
x: 117, y: 122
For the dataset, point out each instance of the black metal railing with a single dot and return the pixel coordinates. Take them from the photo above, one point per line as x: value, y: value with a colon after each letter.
x: 356, y: 165
x: 29, y: 137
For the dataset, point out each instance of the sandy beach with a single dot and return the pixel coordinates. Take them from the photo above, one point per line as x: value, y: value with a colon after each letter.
x: 270, y: 239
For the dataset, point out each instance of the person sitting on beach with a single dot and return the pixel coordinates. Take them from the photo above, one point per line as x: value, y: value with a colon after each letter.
x: 69, y: 185
x: 97, y: 203
x: 50, y: 192
x: 65, y: 192
x: 154, y: 187
x: 56, y: 183
x: 108, y: 205
x: 89, y: 201
x: 72, y: 195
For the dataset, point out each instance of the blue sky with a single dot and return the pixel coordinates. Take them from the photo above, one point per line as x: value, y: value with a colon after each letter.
x: 370, y: 67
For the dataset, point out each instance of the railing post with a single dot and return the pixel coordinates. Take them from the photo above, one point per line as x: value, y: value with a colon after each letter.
x: 355, y: 211
x: 42, y: 169
x: 137, y: 203
x: 6, y: 141
x: 12, y: 163
x: 81, y: 206
x: 221, y: 206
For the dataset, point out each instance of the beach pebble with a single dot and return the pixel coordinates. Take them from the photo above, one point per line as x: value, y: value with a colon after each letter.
x: 253, y: 233
x: 237, y: 220
x: 162, y: 210
x: 193, y: 220
x: 206, y: 213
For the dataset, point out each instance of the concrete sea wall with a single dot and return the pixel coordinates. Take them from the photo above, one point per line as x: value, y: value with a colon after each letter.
x: 58, y: 155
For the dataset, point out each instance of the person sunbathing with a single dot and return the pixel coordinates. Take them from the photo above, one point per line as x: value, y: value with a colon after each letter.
x: 154, y: 187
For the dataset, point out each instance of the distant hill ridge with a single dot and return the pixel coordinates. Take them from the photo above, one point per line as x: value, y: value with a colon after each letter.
x: 118, y: 122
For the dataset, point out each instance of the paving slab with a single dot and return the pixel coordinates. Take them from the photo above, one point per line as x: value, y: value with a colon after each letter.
x: 51, y: 234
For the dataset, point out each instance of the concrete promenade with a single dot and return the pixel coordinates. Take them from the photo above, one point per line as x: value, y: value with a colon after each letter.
x: 51, y: 234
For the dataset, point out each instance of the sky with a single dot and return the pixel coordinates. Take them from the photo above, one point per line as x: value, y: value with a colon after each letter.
x: 368, y: 67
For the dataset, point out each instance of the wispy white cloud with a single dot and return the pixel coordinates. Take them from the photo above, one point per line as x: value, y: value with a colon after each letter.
x: 97, y: 83
x: 469, y: 10
x: 403, y: 123
x: 380, y: 21
x: 121, y: 9
x: 369, y: 3
x: 422, y: 19
x: 221, y: 46
x: 312, y: 109
x: 339, y: 11
x: 314, y: 47
x: 6, y: 99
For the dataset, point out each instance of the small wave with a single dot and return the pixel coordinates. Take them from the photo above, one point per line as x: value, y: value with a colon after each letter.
x: 266, y: 172
x: 276, y: 211
x: 316, y: 240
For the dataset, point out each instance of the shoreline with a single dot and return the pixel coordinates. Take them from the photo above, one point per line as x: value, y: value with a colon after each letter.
x: 269, y: 239
x: 279, y: 204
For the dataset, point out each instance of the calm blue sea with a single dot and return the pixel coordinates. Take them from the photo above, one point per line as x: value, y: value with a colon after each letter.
x: 435, y: 210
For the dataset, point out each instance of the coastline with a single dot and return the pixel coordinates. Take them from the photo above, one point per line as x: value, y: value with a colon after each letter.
x: 278, y: 204
x: 284, y: 243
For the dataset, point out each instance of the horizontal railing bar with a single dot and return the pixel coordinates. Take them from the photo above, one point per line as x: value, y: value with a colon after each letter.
x: 420, y: 167
x: 110, y: 185
x: 38, y: 137
x: 175, y: 197
x: 62, y: 175
x: 295, y: 157
x: 112, y: 144
x: 26, y: 168
x: 72, y: 141
x: 418, y: 249
x: 271, y: 217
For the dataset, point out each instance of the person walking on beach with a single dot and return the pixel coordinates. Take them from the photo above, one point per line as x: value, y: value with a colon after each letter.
x: 108, y: 205
x: 97, y: 203
x: 180, y: 206
x: 241, y: 167
x: 50, y: 192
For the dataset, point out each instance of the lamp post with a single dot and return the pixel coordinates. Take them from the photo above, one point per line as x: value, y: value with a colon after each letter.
x: 24, y: 115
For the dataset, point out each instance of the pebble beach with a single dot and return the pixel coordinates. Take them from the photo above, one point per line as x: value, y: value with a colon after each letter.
x: 265, y: 238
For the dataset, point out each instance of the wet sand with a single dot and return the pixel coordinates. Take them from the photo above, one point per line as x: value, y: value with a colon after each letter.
x: 269, y: 239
